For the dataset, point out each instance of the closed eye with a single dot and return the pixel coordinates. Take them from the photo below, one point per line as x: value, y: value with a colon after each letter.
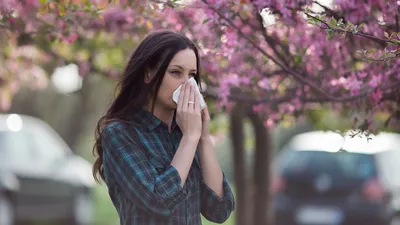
x: 175, y: 72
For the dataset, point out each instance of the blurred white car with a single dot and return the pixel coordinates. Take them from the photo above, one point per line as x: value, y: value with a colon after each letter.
x: 40, y: 177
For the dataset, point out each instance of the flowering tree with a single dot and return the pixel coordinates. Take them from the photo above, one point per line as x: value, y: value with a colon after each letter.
x: 293, y: 63
x: 37, y: 36
x: 290, y: 62
x: 282, y: 58
x: 269, y: 60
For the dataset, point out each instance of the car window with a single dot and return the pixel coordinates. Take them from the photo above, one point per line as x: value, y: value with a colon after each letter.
x: 338, y: 164
x: 389, y: 167
x: 49, y: 148
x: 16, y: 149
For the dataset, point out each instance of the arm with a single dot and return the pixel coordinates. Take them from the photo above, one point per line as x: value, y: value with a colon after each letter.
x: 184, y: 155
x: 126, y: 164
x: 217, y: 200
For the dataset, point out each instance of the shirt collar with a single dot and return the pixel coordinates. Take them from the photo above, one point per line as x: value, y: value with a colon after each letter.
x: 149, y: 121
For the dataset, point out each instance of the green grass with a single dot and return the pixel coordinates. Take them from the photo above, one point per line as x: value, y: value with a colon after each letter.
x: 105, y: 213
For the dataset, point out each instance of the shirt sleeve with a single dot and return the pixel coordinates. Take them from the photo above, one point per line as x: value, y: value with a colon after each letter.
x: 126, y: 163
x: 214, y: 208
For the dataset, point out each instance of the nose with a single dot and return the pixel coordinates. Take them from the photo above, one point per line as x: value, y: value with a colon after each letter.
x: 186, y: 78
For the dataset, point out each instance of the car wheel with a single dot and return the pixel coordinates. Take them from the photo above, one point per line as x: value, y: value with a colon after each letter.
x: 6, y: 211
x: 83, y: 209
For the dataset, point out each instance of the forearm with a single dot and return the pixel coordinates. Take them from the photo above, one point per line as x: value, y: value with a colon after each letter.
x: 211, y: 171
x: 184, y: 155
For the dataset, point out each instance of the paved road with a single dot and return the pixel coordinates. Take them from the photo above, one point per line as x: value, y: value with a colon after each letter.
x: 396, y: 221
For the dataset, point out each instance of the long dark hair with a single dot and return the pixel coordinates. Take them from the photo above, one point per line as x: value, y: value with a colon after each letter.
x: 154, y: 53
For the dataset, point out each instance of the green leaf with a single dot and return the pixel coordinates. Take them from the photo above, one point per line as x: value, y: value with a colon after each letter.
x: 43, y: 8
x: 398, y: 35
x: 386, y: 34
x: 298, y: 59
x: 205, y: 21
x: 311, y: 20
x: 361, y: 25
x: 340, y: 23
x: 333, y: 23
x: 355, y: 29
x: 43, y: 1
x: 61, y: 10
x: 350, y: 23
x: 330, y: 33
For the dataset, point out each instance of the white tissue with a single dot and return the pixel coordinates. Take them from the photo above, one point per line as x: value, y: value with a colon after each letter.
x: 175, y: 95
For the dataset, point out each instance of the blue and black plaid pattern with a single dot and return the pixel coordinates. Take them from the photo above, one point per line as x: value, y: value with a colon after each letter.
x: 145, y: 188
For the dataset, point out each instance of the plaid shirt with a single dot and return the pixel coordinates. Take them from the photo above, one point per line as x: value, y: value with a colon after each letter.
x: 145, y: 188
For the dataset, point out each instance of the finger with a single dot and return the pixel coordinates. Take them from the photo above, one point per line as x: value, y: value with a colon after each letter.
x: 186, y: 96
x: 206, y: 113
x: 196, y: 102
x: 205, y: 110
x: 181, y: 95
x: 192, y: 97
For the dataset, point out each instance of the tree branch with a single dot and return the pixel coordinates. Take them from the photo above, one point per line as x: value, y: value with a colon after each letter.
x: 3, y: 26
x: 371, y: 37
x: 295, y: 74
x: 327, y: 9
x: 271, y: 42
x: 397, y: 19
x: 286, y: 98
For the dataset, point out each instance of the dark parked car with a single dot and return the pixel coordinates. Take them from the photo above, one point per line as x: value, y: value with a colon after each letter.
x: 315, y: 183
x: 40, y: 177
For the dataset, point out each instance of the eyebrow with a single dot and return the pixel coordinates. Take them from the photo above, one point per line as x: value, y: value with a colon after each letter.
x: 182, y: 67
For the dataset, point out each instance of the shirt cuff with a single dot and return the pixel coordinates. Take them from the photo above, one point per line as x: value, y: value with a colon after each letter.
x: 170, y: 187
x: 213, y: 200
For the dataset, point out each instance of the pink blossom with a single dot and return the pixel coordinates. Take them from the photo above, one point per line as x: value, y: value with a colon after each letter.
x: 258, y: 108
x: 376, y: 96
x: 269, y: 123
x: 264, y: 84
x: 362, y: 74
x: 71, y: 38
x: 375, y: 80
x: 354, y: 85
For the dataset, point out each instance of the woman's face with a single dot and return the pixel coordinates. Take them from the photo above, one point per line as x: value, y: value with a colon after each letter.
x: 182, y: 67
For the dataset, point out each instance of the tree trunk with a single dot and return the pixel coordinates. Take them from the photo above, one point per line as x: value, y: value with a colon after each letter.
x: 24, y: 102
x: 78, y: 118
x: 263, y: 147
x: 239, y: 165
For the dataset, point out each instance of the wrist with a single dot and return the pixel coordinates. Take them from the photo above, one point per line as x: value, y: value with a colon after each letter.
x: 192, y: 138
x: 205, y: 138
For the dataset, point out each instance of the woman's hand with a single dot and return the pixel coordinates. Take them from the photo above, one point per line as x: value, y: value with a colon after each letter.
x: 188, y: 113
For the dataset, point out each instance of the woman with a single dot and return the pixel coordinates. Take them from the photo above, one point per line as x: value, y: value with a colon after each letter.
x: 156, y: 156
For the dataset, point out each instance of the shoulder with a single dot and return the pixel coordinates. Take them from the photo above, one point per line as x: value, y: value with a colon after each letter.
x: 120, y: 129
x: 115, y: 126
